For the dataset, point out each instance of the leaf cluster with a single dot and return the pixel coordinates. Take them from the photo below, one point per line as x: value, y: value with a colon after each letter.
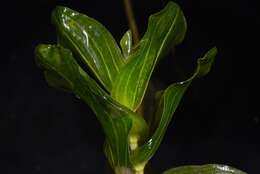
x: 113, y: 79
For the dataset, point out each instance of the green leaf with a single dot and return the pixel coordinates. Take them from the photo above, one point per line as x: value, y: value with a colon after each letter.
x: 166, y: 29
x: 54, y: 80
x: 204, y: 169
x: 126, y: 44
x: 91, y: 42
x: 118, y: 122
x: 152, y: 118
x: 168, y: 102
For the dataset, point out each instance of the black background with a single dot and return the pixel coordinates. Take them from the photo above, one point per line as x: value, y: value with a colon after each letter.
x: 43, y: 130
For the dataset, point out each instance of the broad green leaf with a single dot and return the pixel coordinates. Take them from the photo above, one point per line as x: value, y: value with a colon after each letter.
x: 168, y: 102
x: 91, y: 42
x: 126, y: 44
x: 204, y: 169
x: 166, y: 29
x: 118, y: 122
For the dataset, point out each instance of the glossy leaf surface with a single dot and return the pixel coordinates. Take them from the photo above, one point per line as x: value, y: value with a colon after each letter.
x: 126, y: 44
x: 116, y: 120
x: 204, y: 169
x: 91, y: 42
x: 125, y: 75
x: 168, y: 102
x: 165, y: 30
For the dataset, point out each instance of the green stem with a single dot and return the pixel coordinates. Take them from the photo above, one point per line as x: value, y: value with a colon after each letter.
x: 131, y: 20
x: 124, y: 170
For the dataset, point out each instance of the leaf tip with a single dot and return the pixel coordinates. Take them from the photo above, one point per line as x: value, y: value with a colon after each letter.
x: 205, y: 63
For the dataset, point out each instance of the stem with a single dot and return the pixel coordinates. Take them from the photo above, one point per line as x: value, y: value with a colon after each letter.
x: 124, y: 170
x: 131, y: 20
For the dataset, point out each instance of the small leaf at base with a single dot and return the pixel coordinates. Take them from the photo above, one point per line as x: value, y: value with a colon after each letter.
x: 204, y: 169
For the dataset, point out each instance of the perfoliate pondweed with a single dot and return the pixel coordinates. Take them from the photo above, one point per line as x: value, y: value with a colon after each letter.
x: 121, y: 76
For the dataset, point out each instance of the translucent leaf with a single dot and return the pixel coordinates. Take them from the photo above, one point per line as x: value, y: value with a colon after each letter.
x: 91, y: 42
x: 165, y: 30
x: 126, y: 44
x: 54, y: 80
x: 168, y: 101
x: 204, y: 169
x: 118, y: 122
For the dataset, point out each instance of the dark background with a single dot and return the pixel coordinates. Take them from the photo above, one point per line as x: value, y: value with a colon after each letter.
x: 45, y: 131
